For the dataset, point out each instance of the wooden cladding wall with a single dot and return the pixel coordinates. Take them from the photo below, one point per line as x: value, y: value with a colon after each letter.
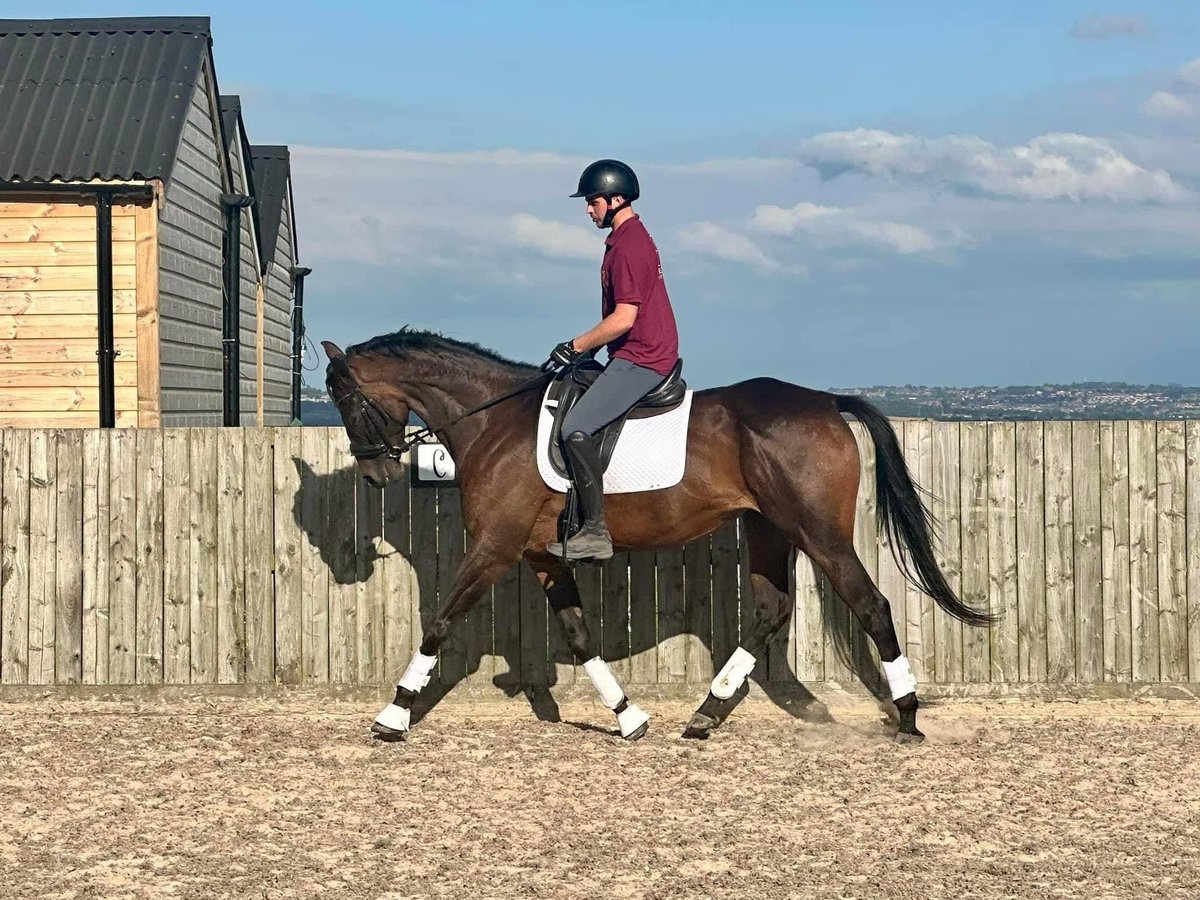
x: 48, y: 318
x: 206, y: 556
x: 276, y: 324
x: 191, y: 232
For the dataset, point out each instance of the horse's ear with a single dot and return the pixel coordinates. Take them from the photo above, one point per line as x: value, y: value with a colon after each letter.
x: 332, y: 350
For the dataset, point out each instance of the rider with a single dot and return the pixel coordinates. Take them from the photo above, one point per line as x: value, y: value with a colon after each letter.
x: 638, y: 328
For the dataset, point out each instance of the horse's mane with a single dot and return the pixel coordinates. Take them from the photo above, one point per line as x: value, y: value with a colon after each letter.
x: 408, y: 341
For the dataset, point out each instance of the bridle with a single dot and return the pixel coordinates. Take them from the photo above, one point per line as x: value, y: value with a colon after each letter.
x: 379, y: 417
x: 384, y: 446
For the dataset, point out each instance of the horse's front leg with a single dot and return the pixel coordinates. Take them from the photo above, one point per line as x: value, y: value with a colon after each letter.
x: 563, y: 596
x: 482, y: 566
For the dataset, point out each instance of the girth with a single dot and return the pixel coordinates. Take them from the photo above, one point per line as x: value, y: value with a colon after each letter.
x: 569, y: 386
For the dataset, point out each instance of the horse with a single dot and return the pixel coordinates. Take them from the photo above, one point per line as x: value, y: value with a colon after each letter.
x: 779, y: 455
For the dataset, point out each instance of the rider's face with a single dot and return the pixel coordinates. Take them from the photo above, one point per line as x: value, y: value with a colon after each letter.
x: 597, y: 208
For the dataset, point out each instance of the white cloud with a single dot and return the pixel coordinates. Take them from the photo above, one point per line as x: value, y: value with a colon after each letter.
x: 555, y: 239
x: 1098, y: 28
x: 1181, y: 99
x: 1049, y: 167
x: 484, y: 222
x: 732, y: 166
x: 710, y: 239
x: 412, y: 209
x: 1165, y: 105
x: 1176, y: 153
x: 836, y: 225
x: 500, y: 157
x: 736, y: 166
x: 422, y: 210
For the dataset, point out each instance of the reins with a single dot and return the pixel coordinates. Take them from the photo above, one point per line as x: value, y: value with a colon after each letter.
x: 385, y: 447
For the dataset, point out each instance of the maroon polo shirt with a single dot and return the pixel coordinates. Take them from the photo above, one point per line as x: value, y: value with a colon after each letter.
x: 632, y: 273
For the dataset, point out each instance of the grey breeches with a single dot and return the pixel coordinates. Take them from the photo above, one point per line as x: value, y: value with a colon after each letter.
x: 621, y: 385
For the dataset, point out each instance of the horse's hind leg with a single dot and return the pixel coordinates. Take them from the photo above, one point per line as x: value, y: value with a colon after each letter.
x: 563, y: 596
x: 811, y: 498
x: 770, y: 558
x: 854, y: 585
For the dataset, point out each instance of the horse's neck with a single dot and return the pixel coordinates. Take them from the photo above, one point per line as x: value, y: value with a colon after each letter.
x: 440, y: 397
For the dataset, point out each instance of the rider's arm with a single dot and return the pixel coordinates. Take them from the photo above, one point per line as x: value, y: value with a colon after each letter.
x: 615, y: 324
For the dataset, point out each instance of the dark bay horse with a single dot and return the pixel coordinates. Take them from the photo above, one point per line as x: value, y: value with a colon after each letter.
x: 779, y: 455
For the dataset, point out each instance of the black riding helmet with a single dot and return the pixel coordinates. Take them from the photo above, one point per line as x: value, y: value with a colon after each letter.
x: 609, y: 177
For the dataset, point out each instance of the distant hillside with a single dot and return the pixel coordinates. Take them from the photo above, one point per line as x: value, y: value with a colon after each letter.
x: 1088, y: 400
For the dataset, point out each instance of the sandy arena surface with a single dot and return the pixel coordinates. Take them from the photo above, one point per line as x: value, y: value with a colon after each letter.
x: 290, y: 798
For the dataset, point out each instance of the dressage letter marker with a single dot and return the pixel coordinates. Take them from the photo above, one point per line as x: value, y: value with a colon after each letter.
x: 434, y: 464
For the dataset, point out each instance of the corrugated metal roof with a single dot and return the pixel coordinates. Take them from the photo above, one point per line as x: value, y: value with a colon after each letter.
x: 231, y: 111
x: 233, y: 126
x: 272, y: 169
x: 96, y: 98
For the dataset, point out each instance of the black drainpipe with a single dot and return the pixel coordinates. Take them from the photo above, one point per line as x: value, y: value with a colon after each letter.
x: 298, y: 273
x: 231, y: 308
x: 106, y: 354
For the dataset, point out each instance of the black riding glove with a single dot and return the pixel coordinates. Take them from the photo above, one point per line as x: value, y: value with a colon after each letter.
x: 565, y: 354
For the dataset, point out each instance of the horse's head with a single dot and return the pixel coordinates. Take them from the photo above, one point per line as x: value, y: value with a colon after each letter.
x: 374, y: 419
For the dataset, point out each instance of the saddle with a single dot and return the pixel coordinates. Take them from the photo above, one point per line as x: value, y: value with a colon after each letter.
x: 569, y: 386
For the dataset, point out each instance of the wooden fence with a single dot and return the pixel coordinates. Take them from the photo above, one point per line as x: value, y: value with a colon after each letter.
x: 209, y: 556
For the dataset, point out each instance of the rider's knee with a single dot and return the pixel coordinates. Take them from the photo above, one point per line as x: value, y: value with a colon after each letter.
x: 578, y: 436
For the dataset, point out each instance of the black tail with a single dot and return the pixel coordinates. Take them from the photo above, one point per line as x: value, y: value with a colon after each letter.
x: 901, y: 512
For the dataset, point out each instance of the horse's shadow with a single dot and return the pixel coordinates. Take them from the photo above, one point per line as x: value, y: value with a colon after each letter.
x: 352, y: 548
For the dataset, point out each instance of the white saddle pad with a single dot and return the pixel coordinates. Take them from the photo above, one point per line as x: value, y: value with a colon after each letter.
x: 650, y: 453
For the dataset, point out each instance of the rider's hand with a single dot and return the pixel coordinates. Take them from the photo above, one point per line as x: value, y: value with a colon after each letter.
x: 565, y: 354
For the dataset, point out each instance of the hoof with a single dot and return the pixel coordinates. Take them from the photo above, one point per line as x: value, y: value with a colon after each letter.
x: 906, y: 737
x: 700, y: 727
x: 389, y: 735
x: 638, y: 733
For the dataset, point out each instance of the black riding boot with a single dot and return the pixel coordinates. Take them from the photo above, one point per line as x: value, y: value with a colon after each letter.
x: 592, y: 541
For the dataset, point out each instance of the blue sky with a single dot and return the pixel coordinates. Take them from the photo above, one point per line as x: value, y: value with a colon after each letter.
x: 844, y: 194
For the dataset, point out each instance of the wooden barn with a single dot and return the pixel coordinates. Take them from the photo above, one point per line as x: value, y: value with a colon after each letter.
x: 144, y: 279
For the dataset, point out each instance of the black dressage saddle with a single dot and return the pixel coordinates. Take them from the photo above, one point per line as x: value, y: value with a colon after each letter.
x: 569, y: 386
